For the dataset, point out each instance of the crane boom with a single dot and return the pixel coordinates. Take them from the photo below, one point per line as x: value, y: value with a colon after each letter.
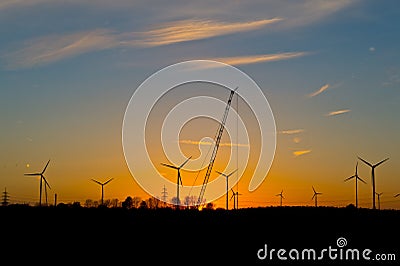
x: 214, y: 153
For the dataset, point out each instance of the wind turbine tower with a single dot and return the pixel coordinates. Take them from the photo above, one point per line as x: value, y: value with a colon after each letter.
x: 102, y: 188
x: 373, y: 166
x: 235, y: 196
x: 356, y: 178
x: 315, y: 196
x: 379, y: 200
x: 179, y: 179
x: 42, y: 178
x: 227, y: 187
x: 281, y: 197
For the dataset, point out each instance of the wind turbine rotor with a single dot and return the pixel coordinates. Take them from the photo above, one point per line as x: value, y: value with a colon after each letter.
x: 170, y: 166
x: 185, y: 162
x: 45, y: 167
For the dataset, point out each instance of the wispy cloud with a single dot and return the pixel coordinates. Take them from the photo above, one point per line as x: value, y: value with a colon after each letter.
x: 52, y: 48
x: 338, y: 112
x: 320, y: 90
x: 208, y: 143
x: 253, y: 59
x: 245, y: 60
x: 300, y: 153
x: 190, y: 30
x: 291, y: 131
x: 296, y: 140
x: 56, y: 47
x: 19, y: 3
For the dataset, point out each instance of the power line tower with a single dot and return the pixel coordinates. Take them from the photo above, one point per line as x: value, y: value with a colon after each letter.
x: 5, y: 198
x: 164, y: 194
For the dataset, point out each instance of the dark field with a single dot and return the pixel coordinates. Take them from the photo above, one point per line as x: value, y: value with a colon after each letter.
x: 65, y: 235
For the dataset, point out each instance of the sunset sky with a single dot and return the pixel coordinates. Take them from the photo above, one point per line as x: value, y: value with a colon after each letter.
x: 329, y: 69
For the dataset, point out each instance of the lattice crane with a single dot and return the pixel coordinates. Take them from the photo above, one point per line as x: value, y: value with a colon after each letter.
x: 215, y: 150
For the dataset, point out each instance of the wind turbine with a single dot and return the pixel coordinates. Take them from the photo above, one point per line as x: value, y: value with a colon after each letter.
x: 281, y: 196
x: 227, y: 189
x: 235, y: 196
x: 356, y: 178
x: 398, y: 194
x: 315, y: 196
x: 379, y: 199
x: 102, y: 188
x: 42, y: 178
x: 373, y: 166
x: 179, y: 179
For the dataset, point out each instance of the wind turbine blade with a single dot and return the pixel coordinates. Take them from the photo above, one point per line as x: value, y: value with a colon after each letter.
x: 231, y: 173
x: 170, y: 166
x: 45, y: 181
x: 185, y: 162
x: 232, y: 196
x: 347, y: 179
x: 97, y: 182
x: 365, y: 161
x: 233, y: 191
x: 381, y: 162
x: 33, y: 174
x: 45, y: 166
x: 314, y: 190
x: 313, y: 196
x: 397, y: 195
x: 359, y: 178
x: 108, y: 181
x: 220, y: 173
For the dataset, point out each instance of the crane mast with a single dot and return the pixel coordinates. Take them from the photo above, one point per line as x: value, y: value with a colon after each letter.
x: 214, y: 153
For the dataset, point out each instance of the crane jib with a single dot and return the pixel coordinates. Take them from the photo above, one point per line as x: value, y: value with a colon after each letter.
x: 214, y: 153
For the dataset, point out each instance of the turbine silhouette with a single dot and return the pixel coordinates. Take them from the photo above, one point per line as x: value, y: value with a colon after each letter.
x: 315, y: 196
x: 281, y: 197
x: 42, y: 178
x: 227, y: 188
x: 235, y: 196
x: 356, y: 178
x: 379, y: 199
x: 373, y: 166
x: 179, y: 179
x: 102, y: 188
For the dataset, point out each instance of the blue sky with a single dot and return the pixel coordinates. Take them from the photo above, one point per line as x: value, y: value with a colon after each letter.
x: 67, y: 71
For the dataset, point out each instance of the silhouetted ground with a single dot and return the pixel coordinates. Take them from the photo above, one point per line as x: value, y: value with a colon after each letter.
x: 65, y: 235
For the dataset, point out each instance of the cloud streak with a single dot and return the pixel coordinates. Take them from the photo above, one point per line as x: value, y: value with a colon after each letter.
x: 208, y: 143
x: 48, y: 49
x: 254, y: 59
x: 300, y: 153
x: 338, y: 112
x: 291, y: 131
x: 319, y: 91
x: 190, y: 30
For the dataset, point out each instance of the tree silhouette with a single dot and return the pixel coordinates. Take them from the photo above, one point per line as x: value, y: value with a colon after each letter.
x: 143, y: 205
x: 210, y: 206
x: 136, y: 202
x: 127, y: 203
